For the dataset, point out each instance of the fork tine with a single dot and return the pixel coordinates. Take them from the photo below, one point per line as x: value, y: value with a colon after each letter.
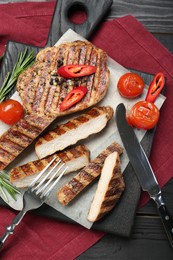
x: 46, y: 192
x: 46, y: 176
x: 41, y: 173
x: 52, y: 177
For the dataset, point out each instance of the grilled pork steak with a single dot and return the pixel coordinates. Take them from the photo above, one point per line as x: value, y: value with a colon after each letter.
x: 109, y: 190
x: 42, y: 91
x: 74, y: 130
x: 75, y: 158
x: 89, y: 173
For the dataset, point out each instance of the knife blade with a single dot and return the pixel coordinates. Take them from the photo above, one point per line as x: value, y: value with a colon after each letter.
x: 143, y: 169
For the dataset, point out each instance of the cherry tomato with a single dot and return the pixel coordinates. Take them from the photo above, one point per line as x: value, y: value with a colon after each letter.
x: 130, y: 85
x: 144, y: 115
x: 11, y: 111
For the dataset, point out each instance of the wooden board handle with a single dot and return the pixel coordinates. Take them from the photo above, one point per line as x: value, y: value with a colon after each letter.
x: 95, y: 11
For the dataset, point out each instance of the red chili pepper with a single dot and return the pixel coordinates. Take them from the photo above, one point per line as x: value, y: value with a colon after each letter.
x: 76, y: 70
x: 155, y: 87
x: 73, y: 97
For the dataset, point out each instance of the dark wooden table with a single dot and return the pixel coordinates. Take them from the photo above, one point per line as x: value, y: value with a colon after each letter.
x: 148, y: 240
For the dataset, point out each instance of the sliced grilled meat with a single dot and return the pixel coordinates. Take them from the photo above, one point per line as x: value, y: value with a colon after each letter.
x: 42, y: 91
x: 89, y: 173
x: 74, y: 130
x: 109, y: 190
x: 75, y: 158
x: 19, y: 136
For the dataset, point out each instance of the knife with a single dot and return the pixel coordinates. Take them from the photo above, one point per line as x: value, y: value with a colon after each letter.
x: 143, y: 169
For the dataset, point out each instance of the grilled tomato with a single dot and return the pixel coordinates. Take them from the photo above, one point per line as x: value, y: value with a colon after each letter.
x: 130, y: 85
x: 143, y: 115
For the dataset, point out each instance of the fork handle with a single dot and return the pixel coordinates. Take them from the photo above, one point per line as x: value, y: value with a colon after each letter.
x: 10, y: 229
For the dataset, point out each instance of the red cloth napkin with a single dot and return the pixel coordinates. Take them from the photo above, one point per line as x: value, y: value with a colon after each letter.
x: 25, y: 22
x: 40, y: 238
x: 130, y: 44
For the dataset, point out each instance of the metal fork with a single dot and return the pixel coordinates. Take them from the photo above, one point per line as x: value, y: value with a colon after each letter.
x: 36, y: 194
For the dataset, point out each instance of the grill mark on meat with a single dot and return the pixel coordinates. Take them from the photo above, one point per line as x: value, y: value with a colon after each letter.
x: 90, y: 81
x: 76, y: 152
x: 103, y: 77
x: 51, y: 135
x: 75, y: 185
x: 30, y: 91
x: 53, y: 92
x: 82, y: 55
x: 2, y: 165
x: 9, y: 146
x: 28, y: 169
x: 27, y: 129
x: 76, y: 55
x: 67, y: 193
x: 86, y: 175
x: 107, y: 204
x: 5, y: 156
x: 38, y: 121
x: 57, y: 89
x: 16, y: 136
x: 52, y: 96
x: 85, y: 80
x: 94, y: 112
x: 71, y: 54
x: 24, y: 85
x: 93, y: 169
x: 96, y: 76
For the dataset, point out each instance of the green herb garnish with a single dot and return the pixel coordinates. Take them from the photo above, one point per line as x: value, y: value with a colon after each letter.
x: 22, y: 63
x: 7, y: 187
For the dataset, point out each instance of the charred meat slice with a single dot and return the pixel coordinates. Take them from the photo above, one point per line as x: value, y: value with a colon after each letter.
x: 89, y: 173
x: 75, y: 158
x: 19, y: 136
x: 109, y: 190
x: 74, y: 130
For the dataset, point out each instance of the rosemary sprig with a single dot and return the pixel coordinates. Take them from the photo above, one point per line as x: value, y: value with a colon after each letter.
x: 24, y: 60
x: 7, y: 187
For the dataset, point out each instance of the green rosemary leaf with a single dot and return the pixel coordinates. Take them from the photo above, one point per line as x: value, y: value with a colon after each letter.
x: 7, y: 186
x: 4, y: 196
x: 22, y: 63
x: 10, y: 191
x: 4, y: 175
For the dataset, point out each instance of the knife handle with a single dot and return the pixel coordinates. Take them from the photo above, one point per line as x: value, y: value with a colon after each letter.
x: 167, y: 222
